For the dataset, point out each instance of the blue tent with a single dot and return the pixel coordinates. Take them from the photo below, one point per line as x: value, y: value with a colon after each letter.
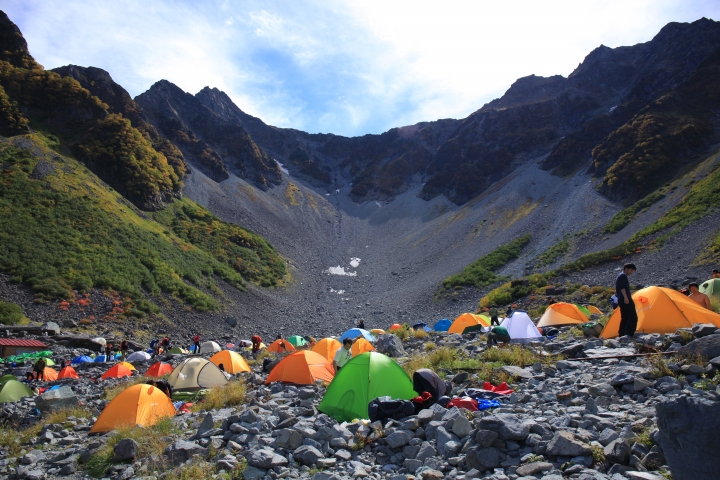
x: 353, y: 333
x: 100, y: 359
x: 81, y: 359
x: 422, y: 325
x: 443, y: 325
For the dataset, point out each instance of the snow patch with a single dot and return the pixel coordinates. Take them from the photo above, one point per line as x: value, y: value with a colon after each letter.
x: 282, y: 169
x: 612, y: 108
x: 340, y: 271
x: 354, y: 262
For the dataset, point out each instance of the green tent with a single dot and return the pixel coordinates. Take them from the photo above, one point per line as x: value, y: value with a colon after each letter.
x: 363, y: 379
x: 5, y: 378
x: 711, y: 288
x: 13, y: 391
x: 297, y: 341
x: 584, y: 310
x: 178, y: 351
x: 49, y: 362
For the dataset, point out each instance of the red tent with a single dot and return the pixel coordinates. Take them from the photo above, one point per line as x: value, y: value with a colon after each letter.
x: 159, y: 369
x: 118, y: 371
x: 67, y: 372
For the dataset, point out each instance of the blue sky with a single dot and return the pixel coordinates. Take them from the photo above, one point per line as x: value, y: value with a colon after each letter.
x: 342, y: 67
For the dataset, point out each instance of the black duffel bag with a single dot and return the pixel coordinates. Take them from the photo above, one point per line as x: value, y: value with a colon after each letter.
x: 384, y: 408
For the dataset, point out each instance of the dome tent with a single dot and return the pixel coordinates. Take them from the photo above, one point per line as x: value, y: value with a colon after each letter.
x: 561, y: 314
x: 521, y: 328
x: 81, y: 359
x: 711, y: 288
x: 138, y: 357
x: 117, y: 371
x: 302, y: 368
x: 361, y: 346
x: 327, y: 347
x: 159, y: 369
x: 195, y: 374
x: 12, y: 391
x: 67, y: 372
x: 354, y: 333
x: 209, y: 347
x: 281, y: 346
x: 467, y: 322
x: 442, y: 325
x: 137, y: 405
x: 297, y: 341
x: 363, y: 379
x: 662, y: 310
x: 232, y: 362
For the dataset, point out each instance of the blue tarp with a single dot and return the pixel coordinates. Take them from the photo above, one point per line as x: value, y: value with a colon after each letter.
x: 100, y: 359
x: 354, y: 333
x: 443, y: 325
x: 422, y: 325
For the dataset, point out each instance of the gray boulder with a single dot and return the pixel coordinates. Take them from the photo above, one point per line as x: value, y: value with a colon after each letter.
x: 461, y: 427
x: 390, y: 345
x: 483, y: 459
x: 266, y: 458
x: 688, y: 436
x: 533, y: 468
x: 54, y: 400
x: 182, y: 450
x: 507, y: 426
x: 617, y: 451
x: 521, y: 373
x: 447, y: 443
x: 564, y: 443
x: 308, y: 455
x: 52, y: 328
x: 399, y: 438
x: 700, y: 330
x: 708, y: 347
x: 126, y: 449
x: 288, y: 438
x: 602, y: 390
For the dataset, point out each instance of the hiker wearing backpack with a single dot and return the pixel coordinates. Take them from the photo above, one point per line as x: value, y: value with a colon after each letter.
x: 39, y: 369
x: 196, y: 340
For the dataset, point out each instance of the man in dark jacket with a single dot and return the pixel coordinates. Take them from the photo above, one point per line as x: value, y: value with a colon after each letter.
x: 628, y: 315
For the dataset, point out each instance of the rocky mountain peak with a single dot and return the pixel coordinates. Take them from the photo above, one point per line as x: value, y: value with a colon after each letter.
x: 13, y: 47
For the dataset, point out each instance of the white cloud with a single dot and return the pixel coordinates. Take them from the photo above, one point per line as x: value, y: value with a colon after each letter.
x: 341, y: 67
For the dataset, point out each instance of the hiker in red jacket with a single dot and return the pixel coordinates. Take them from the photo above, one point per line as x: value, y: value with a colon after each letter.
x: 256, y: 341
x: 196, y: 339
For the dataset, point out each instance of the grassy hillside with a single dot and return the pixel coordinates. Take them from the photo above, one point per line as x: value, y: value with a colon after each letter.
x: 62, y: 229
x: 481, y: 272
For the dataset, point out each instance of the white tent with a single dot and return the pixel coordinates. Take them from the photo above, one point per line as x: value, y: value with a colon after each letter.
x: 138, y: 356
x: 521, y: 328
x: 196, y: 373
x: 209, y: 347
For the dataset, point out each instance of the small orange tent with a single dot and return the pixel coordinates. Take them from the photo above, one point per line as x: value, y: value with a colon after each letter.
x: 50, y: 374
x: 662, y: 310
x: 117, y: 371
x: 594, y: 309
x: 130, y: 366
x: 302, y: 368
x: 232, y: 362
x: 137, y: 405
x: 395, y: 326
x: 327, y: 347
x: 467, y: 320
x: 377, y: 331
x: 280, y: 346
x: 67, y: 372
x: 361, y: 346
x: 159, y: 369
x: 562, y: 313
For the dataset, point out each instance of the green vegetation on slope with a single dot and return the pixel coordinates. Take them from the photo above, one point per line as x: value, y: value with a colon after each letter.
x: 10, y: 313
x: 553, y: 253
x: 62, y: 230
x: 623, y: 218
x: 481, y: 273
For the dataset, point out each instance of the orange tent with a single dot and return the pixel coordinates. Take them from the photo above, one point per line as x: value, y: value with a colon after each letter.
x: 67, y: 372
x: 118, y: 371
x: 361, y: 346
x: 130, y: 366
x: 377, y: 331
x: 50, y: 374
x: 562, y: 313
x: 277, y: 347
x: 662, y: 310
x: 137, y: 405
x: 395, y: 326
x: 232, y: 362
x: 594, y: 309
x: 159, y: 369
x: 327, y: 347
x: 302, y: 368
x: 467, y: 320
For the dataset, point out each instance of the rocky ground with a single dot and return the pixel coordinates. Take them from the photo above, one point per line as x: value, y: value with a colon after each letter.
x: 594, y: 411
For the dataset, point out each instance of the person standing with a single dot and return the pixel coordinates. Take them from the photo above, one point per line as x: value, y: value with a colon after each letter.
x: 698, y: 297
x: 343, y: 355
x: 108, y: 351
x: 124, y: 347
x: 493, y: 315
x: 196, y: 340
x: 39, y: 369
x: 256, y: 342
x: 628, y: 315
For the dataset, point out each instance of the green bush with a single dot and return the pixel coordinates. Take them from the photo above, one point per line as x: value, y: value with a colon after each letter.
x: 10, y: 313
x: 553, y: 253
x: 623, y: 218
x: 481, y: 273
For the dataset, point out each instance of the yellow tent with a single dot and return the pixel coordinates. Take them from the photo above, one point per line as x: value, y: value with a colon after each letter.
x: 662, y: 310
x: 231, y: 361
x: 137, y: 405
x: 468, y: 320
x: 327, y: 348
x: 594, y: 309
x: 361, y: 346
x: 128, y: 365
x: 562, y: 313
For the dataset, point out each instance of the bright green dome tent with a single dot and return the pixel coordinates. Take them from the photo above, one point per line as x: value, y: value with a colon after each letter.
x: 13, y: 391
x: 711, y: 288
x: 297, y: 341
x: 5, y: 378
x: 363, y: 379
